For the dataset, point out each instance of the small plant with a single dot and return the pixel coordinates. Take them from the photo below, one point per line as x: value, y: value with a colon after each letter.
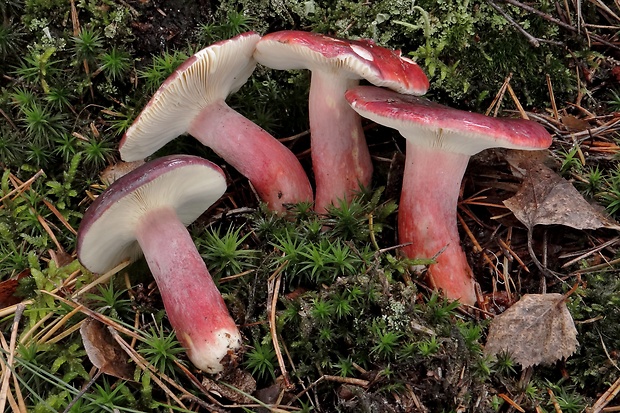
x: 594, y: 181
x: 440, y: 310
x: 235, y: 23
x: 87, y: 45
x: 42, y: 123
x: 115, y: 64
x: 322, y: 310
x: 504, y: 364
x: 472, y: 334
x: 162, y: 67
x: 161, y: 348
x: 570, y: 161
x: 98, y: 152
x: 110, y: 301
x: 227, y: 254
x: 386, y: 342
x: 428, y: 347
x: 261, y: 360
x: 614, y: 102
x: 59, y: 97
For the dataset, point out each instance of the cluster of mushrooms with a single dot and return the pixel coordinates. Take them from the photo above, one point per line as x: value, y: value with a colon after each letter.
x: 145, y: 212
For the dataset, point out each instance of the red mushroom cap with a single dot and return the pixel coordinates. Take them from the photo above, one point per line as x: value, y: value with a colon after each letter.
x: 359, y: 59
x: 442, y: 127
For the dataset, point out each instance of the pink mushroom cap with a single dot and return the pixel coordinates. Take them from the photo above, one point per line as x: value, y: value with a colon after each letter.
x: 440, y: 141
x: 145, y: 212
x: 340, y: 157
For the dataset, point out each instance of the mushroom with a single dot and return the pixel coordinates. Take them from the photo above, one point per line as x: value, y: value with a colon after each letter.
x: 440, y: 141
x: 145, y: 212
x: 340, y: 157
x: 192, y: 100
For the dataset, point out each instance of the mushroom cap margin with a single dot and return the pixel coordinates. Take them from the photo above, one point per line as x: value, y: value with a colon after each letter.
x: 434, y: 125
x: 359, y: 59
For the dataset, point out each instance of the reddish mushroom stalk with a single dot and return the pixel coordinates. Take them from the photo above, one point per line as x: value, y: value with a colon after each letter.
x: 193, y: 303
x: 340, y: 158
x: 440, y: 141
x: 192, y: 100
x: 145, y: 213
x: 341, y: 166
x: 273, y: 170
x: 427, y: 218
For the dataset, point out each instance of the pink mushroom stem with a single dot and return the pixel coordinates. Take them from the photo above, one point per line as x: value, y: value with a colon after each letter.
x: 193, y: 303
x: 273, y: 170
x: 431, y: 186
x: 340, y: 157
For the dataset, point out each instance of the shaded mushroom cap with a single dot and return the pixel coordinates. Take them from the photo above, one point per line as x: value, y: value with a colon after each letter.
x: 187, y: 184
x: 443, y: 128
x: 355, y: 59
x: 210, y: 75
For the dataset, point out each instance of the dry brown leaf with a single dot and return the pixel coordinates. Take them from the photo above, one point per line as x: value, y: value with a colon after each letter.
x: 538, y: 329
x: 113, y: 172
x: 103, y: 351
x: 574, y: 124
x: 545, y: 198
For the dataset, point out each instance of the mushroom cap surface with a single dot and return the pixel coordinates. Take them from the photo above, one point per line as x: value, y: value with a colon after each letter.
x: 354, y: 59
x: 210, y: 75
x: 187, y: 184
x: 433, y: 125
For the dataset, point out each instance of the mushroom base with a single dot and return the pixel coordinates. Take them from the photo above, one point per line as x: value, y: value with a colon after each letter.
x: 427, y: 218
x: 194, y: 305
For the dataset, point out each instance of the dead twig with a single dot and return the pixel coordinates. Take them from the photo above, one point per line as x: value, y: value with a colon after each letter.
x: 531, y: 39
x: 560, y: 23
x: 274, y: 287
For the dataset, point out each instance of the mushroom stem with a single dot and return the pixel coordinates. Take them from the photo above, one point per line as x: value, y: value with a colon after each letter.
x: 273, y: 170
x: 427, y: 218
x: 340, y: 157
x: 194, y: 305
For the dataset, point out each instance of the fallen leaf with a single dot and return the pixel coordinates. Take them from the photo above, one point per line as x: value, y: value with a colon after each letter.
x: 545, y: 198
x: 103, y: 351
x: 113, y: 172
x: 538, y: 329
x: 8, y: 290
x: 574, y: 124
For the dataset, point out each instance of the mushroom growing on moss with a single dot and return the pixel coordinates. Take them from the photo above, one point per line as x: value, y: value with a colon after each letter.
x: 440, y: 141
x: 145, y: 212
x: 192, y: 100
x: 340, y: 158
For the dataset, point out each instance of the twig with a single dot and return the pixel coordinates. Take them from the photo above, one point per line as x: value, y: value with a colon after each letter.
x: 22, y: 187
x: 10, y: 358
x: 606, y: 397
x: 499, y: 96
x: 274, y: 287
x: 592, y: 251
x: 558, y: 22
x: 511, y: 402
x: 517, y: 103
x: 531, y: 39
x: 552, y: 98
x: 594, y: 268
